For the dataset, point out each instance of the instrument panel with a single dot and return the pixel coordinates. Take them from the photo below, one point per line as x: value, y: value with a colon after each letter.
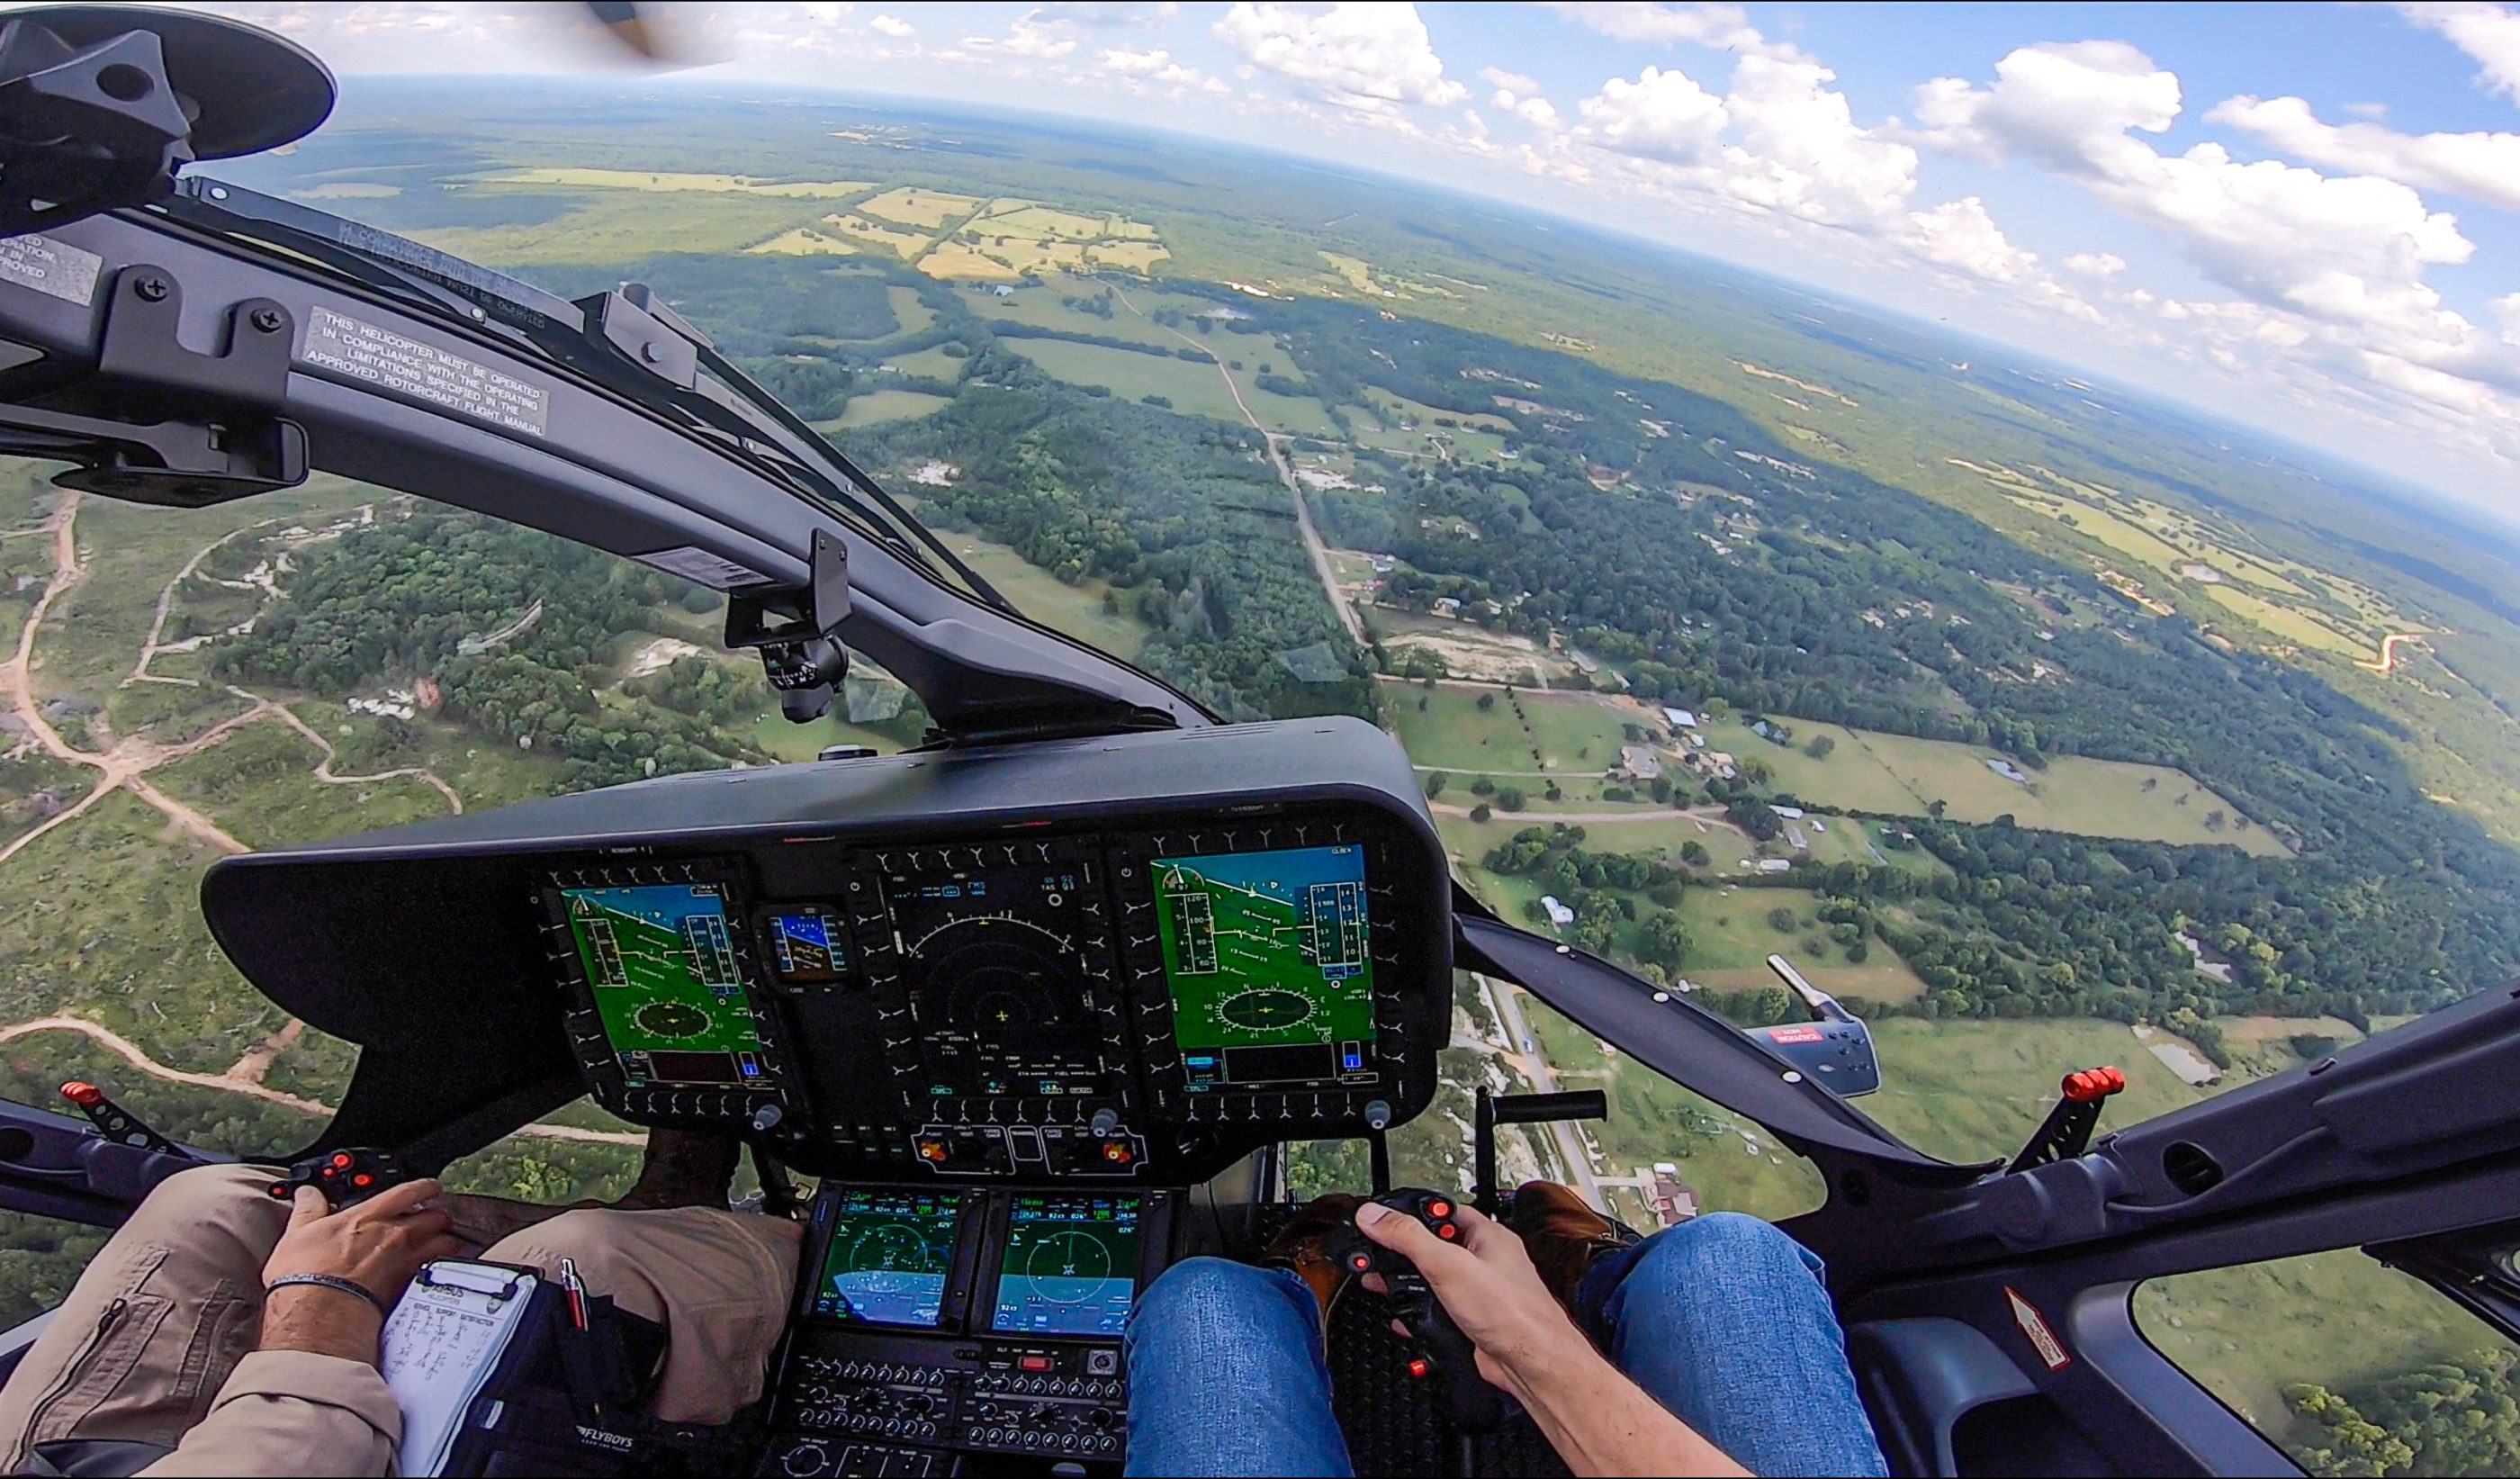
x: 1049, y: 1008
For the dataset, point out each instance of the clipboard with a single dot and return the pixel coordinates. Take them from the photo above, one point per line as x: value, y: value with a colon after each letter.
x: 441, y: 1346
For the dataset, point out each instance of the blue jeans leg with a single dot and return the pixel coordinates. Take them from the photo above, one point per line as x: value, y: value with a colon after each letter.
x: 1226, y: 1376
x: 1724, y: 1321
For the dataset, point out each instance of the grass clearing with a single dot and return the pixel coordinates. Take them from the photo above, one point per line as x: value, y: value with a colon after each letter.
x: 1075, y: 610
x: 959, y: 262
x: 1898, y: 775
x: 804, y: 241
x: 613, y: 226
x: 931, y: 363
x: 902, y: 243
x: 2292, y: 625
x: 672, y: 181
x: 1193, y: 385
x: 913, y: 206
x: 888, y: 405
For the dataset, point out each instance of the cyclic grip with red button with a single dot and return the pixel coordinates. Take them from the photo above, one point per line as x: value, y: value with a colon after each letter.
x: 345, y: 1177
x: 1445, y: 1359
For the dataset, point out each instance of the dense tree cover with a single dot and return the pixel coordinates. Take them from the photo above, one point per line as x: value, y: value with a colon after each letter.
x: 397, y: 600
x: 1183, y: 516
x: 1717, y: 563
x: 2458, y: 1417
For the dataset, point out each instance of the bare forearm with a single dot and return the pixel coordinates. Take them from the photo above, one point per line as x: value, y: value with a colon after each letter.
x: 324, y: 1321
x: 1601, y: 1423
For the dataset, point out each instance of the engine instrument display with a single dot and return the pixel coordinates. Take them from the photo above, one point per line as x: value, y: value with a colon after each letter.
x: 888, y: 1257
x: 667, y: 986
x: 993, y: 960
x: 1070, y: 1266
x: 1266, y: 957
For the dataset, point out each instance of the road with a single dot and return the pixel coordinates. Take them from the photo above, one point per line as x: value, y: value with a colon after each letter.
x: 1314, y: 549
x: 1535, y: 1066
x: 2389, y: 652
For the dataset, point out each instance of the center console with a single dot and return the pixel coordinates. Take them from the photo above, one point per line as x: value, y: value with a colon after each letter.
x: 986, y: 1321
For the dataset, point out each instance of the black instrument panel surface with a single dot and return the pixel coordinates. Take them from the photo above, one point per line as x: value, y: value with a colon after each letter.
x: 1119, y: 961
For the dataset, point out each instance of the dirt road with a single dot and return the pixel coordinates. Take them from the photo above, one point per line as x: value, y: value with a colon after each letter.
x: 1314, y: 549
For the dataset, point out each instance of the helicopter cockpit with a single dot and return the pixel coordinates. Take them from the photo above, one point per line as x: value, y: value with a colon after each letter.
x: 1037, y: 1005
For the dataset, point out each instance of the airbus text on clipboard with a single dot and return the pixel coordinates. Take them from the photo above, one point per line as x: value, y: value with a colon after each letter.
x: 440, y: 1346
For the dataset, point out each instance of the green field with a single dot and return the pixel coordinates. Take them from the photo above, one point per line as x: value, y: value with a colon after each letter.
x: 1527, y: 731
x: 887, y: 405
x: 1903, y: 776
x: 1266, y: 949
x: 1193, y: 386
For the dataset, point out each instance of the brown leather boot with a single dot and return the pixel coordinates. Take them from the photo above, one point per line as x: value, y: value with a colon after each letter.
x: 1563, y: 1236
x: 1301, y: 1246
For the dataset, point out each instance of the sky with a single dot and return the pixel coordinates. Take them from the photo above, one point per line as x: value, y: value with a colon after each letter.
x: 2304, y: 217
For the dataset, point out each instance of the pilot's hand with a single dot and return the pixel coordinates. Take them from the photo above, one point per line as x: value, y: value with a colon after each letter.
x: 1598, y: 1420
x: 378, y: 1246
x: 1488, y: 1285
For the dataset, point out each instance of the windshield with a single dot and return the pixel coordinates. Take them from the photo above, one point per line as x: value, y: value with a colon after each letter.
x: 2042, y: 723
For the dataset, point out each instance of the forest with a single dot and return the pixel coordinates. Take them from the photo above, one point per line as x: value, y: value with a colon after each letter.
x: 396, y: 600
x: 1718, y: 564
x: 1181, y: 515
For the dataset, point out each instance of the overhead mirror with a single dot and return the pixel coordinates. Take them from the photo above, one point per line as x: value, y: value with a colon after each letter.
x: 101, y: 105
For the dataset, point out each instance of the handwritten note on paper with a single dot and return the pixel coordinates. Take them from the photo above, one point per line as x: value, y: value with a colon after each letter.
x: 440, y: 1346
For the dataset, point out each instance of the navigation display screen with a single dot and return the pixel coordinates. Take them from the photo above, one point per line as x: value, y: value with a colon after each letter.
x: 808, y: 944
x: 888, y: 1257
x: 994, y: 960
x: 1072, y: 1265
x: 1266, y: 957
x: 666, y: 984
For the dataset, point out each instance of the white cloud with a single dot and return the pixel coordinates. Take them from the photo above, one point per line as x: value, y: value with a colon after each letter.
x: 2490, y: 33
x: 1961, y: 234
x: 2098, y: 264
x: 2329, y: 270
x: 1723, y: 27
x: 1661, y: 116
x: 1135, y: 63
x: 1358, y: 56
x: 893, y: 26
x: 2482, y: 166
x: 1512, y: 82
x: 1030, y: 36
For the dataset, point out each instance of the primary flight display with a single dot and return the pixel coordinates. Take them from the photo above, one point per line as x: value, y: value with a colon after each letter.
x: 1266, y: 955
x: 667, y: 987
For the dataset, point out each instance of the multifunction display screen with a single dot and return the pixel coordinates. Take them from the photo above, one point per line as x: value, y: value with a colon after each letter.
x: 888, y: 1257
x: 1072, y: 1265
x: 667, y: 987
x: 994, y: 961
x: 1266, y: 957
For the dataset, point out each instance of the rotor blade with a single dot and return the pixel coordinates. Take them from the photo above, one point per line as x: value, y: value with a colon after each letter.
x: 621, y: 19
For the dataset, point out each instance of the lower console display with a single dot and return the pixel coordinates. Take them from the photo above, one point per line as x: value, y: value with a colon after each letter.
x: 667, y: 987
x: 888, y: 1256
x: 1070, y: 1266
x: 1267, y: 958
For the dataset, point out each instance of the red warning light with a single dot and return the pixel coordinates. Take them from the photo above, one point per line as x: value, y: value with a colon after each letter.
x: 933, y: 1150
x: 1115, y: 1152
x: 83, y: 1093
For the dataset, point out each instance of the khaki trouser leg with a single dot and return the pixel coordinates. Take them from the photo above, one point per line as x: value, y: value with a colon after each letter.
x: 161, y: 1317
x: 719, y: 1281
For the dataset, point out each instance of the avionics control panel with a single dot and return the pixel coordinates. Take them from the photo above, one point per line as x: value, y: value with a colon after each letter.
x: 960, y: 1318
x: 1122, y: 960
x: 1054, y: 1008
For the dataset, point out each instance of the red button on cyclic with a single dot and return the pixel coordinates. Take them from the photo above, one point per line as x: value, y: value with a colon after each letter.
x: 1418, y: 1367
x: 1439, y: 1208
x: 1448, y: 1232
